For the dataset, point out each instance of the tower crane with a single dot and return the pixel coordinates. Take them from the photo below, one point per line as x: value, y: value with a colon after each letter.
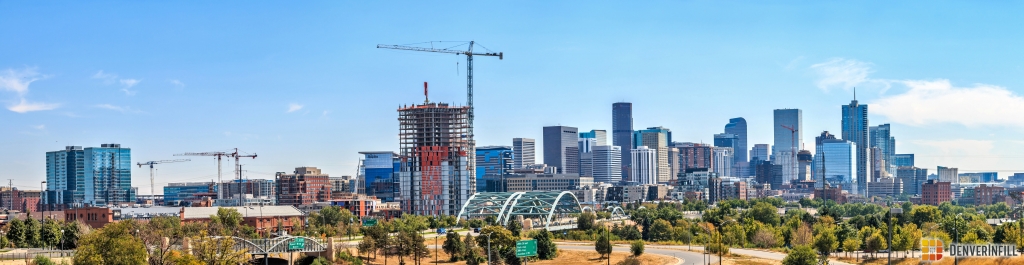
x: 238, y: 173
x: 792, y: 141
x: 152, y: 186
x: 469, y: 66
x: 220, y: 155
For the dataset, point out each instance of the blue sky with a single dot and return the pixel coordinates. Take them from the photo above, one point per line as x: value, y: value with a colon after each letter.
x: 303, y: 84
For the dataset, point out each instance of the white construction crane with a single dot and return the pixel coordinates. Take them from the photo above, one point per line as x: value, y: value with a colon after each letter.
x: 152, y: 186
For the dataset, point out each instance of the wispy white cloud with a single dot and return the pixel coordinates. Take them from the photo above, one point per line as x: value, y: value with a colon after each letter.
x: 845, y: 74
x: 24, y: 106
x: 18, y: 81
x: 177, y: 83
x: 111, y: 78
x: 939, y: 101
x: 926, y: 102
x: 107, y: 78
x: 293, y: 107
x: 39, y: 127
x: 124, y: 109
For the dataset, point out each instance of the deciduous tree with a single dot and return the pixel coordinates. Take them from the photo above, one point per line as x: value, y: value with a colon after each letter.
x: 111, y: 245
x: 801, y: 255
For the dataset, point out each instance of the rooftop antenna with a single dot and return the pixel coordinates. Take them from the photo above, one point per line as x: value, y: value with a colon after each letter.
x: 854, y: 93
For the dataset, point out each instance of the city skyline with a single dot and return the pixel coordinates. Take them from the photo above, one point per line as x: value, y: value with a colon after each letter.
x: 293, y: 92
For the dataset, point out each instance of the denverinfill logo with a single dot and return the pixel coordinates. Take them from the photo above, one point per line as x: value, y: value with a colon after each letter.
x: 931, y: 249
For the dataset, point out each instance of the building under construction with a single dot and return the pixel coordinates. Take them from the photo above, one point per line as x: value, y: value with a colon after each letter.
x: 436, y: 175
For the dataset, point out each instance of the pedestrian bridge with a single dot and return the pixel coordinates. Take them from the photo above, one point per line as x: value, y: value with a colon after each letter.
x: 549, y: 210
x: 265, y: 246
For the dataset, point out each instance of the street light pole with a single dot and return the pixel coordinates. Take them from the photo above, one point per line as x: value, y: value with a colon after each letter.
x: 488, y: 248
x: 956, y: 231
x: 893, y: 211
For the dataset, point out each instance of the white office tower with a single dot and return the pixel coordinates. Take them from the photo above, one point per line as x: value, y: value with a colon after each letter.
x: 645, y: 165
x: 722, y: 161
x: 607, y: 163
x: 523, y: 152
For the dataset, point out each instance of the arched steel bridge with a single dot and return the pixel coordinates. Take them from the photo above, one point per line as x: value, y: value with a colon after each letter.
x: 277, y: 245
x: 550, y: 208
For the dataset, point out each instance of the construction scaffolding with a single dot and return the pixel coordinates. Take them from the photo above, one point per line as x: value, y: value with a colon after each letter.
x: 436, y: 148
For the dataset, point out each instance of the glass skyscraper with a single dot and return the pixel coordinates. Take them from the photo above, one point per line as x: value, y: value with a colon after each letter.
x: 738, y: 127
x: 561, y: 148
x: 95, y: 176
x: 903, y: 160
x: 378, y: 172
x: 855, y: 129
x: 839, y: 161
x: 622, y: 133
x: 789, y: 128
x: 492, y: 160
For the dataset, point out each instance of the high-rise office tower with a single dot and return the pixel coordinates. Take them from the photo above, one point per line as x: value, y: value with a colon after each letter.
x: 912, y: 178
x: 728, y: 140
x: 645, y: 165
x: 948, y: 174
x: 855, y: 129
x: 838, y: 159
x: 607, y: 163
x: 738, y: 127
x: 378, y: 173
x: 97, y: 176
x: 803, y: 159
x: 523, y: 152
x: 673, y: 161
x: 586, y: 162
x: 437, y: 174
x: 903, y: 160
x: 788, y: 138
x: 656, y: 138
x: 878, y: 169
x: 816, y: 162
x: 759, y: 152
x: 561, y: 149
x: 600, y: 136
x: 881, y: 138
x: 622, y: 133
x: 722, y: 161
x: 492, y: 161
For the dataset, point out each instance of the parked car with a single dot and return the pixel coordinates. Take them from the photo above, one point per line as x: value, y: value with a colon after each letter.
x: 441, y: 231
x: 476, y: 230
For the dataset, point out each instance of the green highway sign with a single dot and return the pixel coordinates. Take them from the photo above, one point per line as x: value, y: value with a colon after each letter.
x: 526, y: 248
x: 297, y: 244
x: 370, y: 222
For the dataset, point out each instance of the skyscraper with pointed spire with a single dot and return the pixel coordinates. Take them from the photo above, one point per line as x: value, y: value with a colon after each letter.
x: 855, y: 129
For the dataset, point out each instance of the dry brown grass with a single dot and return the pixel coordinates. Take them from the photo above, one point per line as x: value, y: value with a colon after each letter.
x: 564, y: 257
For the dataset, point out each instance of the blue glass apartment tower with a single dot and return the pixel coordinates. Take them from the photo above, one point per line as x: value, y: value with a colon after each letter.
x: 493, y: 161
x: 378, y: 170
x: 95, y: 176
x: 738, y: 126
x: 622, y: 133
x: 855, y: 129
